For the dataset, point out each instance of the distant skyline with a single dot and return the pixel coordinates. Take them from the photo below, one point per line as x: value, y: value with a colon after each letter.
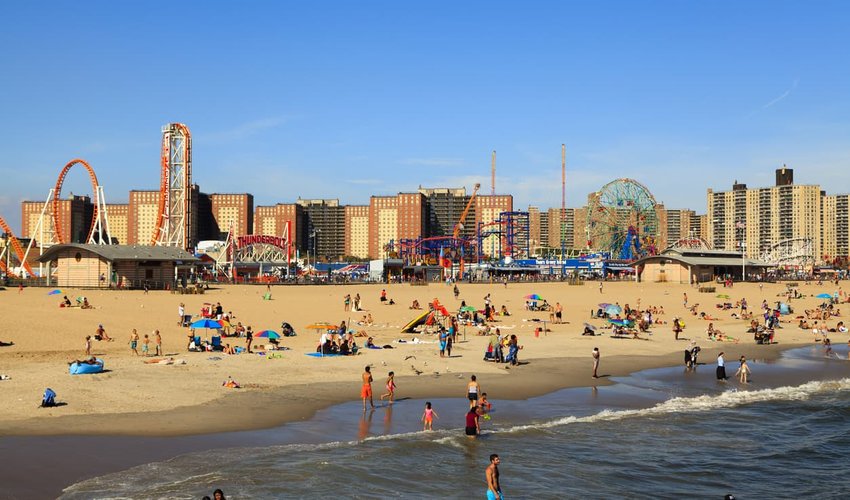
x: 346, y: 100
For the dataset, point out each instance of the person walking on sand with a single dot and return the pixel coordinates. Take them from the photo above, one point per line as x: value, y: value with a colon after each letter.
x: 494, y: 489
x: 600, y: 286
x: 686, y: 299
x: 743, y: 371
x: 157, y: 343
x: 366, y: 390
x: 428, y: 417
x: 146, y: 345
x: 181, y: 312
x: 346, y: 302
x: 88, y: 345
x: 472, y: 391
x: 390, y: 395
x: 456, y: 292
x: 558, y: 312
x: 134, y: 341
x: 596, y: 356
x: 721, y: 368
x: 249, y: 339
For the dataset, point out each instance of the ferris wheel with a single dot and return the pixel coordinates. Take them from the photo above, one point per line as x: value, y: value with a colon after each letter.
x: 621, y: 219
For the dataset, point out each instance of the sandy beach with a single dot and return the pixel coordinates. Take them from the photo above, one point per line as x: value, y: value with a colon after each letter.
x: 135, y: 398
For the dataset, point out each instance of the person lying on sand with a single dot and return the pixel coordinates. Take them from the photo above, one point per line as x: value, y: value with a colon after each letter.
x: 159, y: 361
x: 89, y: 361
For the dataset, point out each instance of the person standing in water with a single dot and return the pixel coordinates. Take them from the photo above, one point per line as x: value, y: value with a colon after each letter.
x: 494, y: 489
x: 472, y: 391
x: 721, y: 368
x: 596, y: 356
x: 366, y: 390
x: 743, y: 372
x: 473, y: 428
x: 428, y: 417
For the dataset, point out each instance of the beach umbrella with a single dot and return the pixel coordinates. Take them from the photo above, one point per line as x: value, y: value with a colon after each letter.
x: 272, y: 335
x: 620, y: 322
x: 603, y: 305
x: 55, y: 292
x: 224, y: 323
x: 533, y: 296
x: 722, y: 296
x: 613, y: 309
x: 823, y: 296
x: 468, y: 309
x: 206, y: 323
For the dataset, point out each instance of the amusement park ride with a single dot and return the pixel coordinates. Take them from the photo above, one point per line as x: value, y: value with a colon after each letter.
x: 621, y: 220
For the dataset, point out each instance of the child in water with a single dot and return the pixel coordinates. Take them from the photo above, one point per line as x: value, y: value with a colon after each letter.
x: 390, y: 388
x: 485, y: 405
x: 428, y: 417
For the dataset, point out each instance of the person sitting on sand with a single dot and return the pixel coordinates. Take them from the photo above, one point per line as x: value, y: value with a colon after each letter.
x: 707, y: 317
x: 369, y: 321
x: 840, y: 328
x: 85, y: 304
x: 100, y: 334
x: 228, y: 349
x: 504, y: 311
x: 712, y: 332
x: 230, y: 384
x: 370, y: 344
x: 66, y: 302
x: 415, y: 305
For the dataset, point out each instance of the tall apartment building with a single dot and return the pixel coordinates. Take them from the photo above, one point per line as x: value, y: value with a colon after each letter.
x: 679, y: 224
x: 443, y: 208
x: 141, y: 219
x: 572, y: 230
x: 534, y: 228
x: 357, y: 231
x: 392, y: 218
x: 270, y: 221
x: 118, y: 215
x: 756, y: 219
x: 76, y: 214
x: 487, y: 209
x: 835, y: 227
x: 324, y: 228
x: 226, y: 209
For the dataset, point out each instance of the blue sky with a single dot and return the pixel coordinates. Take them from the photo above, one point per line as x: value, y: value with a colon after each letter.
x: 348, y: 99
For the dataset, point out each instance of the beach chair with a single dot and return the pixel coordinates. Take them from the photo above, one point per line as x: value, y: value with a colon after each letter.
x: 216, y: 343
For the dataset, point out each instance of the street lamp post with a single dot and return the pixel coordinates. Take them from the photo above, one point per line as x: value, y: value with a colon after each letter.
x: 315, y: 235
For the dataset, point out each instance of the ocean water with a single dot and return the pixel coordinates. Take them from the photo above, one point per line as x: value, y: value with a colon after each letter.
x: 662, y: 433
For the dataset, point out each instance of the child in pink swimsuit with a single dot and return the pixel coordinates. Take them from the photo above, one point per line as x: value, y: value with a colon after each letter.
x: 390, y: 388
x: 428, y: 417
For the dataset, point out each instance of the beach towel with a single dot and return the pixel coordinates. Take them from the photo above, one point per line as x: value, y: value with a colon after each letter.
x: 319, y: 355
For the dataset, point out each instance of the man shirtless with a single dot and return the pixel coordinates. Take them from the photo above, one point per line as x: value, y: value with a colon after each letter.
x: 494, y: 490
x: 366, y: 390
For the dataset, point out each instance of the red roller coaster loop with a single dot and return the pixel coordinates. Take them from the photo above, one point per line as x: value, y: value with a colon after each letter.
x: 16, y: 245
x: 57, y: 191
x: 165, y: 179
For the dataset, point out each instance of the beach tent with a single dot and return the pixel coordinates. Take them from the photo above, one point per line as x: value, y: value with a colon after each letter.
x: 784, y: 308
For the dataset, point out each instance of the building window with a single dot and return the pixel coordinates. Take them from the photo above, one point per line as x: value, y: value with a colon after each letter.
x: 78, y: 256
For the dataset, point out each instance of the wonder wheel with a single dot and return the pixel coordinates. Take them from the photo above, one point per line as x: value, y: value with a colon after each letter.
x: 621, y: 219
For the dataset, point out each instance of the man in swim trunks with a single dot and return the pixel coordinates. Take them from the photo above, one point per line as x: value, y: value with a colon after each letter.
x: 366, y: 390
x: 494, y: 490
x: 472, y: 391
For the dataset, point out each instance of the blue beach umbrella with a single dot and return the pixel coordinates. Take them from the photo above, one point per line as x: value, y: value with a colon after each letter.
x: 55, y: 292
x: 613, y: 309
x: 823, y: 296
x: 206, y: 323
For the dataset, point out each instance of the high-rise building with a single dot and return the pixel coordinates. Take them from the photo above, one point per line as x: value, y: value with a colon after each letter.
x: 271, y: 220
x: 324, y: 228
x: 391, y: 218
x: 488, y: 209
x: 226, y: 210
x: 443, y: 209
x: 756, y: 219
x: 118, y: 215
x: 679, y: 225
x: 357, y: 231
x: 75, y: 218
x: 835, y: 227
x: 534, y: 228
x: 141, y: 219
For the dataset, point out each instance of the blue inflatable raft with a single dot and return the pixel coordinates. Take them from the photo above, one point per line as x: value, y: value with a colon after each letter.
x: 83, y: 368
